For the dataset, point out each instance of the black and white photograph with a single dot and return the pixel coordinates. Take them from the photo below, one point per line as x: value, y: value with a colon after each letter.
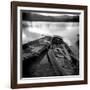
x: 50, y: 44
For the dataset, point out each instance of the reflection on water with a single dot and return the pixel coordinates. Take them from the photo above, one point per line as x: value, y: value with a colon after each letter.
x: 35, y: 30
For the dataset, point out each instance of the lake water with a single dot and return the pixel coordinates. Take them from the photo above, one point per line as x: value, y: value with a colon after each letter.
x: 34, y: 30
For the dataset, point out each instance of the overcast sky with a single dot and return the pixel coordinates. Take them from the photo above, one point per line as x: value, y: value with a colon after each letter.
x: 54, y: 14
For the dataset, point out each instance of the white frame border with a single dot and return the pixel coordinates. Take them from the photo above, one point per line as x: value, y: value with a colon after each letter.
x: 56, y: 78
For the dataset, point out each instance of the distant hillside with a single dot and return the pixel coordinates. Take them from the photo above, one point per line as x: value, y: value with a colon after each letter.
x: 37, y: 17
